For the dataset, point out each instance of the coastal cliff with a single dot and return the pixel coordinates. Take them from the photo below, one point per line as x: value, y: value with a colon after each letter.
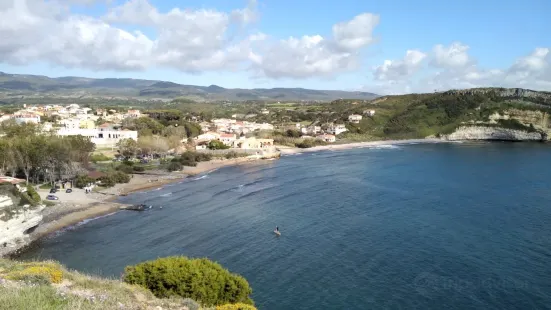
x: 493, y: 133
x: 15, y: 224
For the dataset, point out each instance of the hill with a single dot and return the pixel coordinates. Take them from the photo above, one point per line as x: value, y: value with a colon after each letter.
x: 437, y: 114
x: 16, y: 86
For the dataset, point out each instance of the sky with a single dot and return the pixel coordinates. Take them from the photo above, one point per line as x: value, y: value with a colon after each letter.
x: 384, y: 47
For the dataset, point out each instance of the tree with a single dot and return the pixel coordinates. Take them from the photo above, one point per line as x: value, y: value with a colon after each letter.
x: 293, y: 133
x: 128, y: 147
x: 217, y: 145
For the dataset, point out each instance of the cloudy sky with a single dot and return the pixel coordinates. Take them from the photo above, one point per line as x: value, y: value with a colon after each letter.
x: 386, y: 47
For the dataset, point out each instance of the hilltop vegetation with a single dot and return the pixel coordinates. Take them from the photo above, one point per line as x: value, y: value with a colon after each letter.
x: 422, y: 115
x: 49, y: 286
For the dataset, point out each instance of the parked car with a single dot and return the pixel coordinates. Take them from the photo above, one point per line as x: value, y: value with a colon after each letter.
x: 69, y: 190
x: 53, y: 191
x: 52, y: 197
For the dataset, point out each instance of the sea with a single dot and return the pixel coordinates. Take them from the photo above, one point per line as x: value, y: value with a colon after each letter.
x: 419, y: 226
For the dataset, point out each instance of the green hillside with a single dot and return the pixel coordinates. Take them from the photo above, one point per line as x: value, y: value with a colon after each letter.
x: 422, y: 115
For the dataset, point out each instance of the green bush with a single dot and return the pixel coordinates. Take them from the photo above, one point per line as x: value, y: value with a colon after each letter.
x: 174, y: 166
x: 125, y: 168
x: 217, y: 145
x: 120, y: 177
x: 107, y: 181
x: 138, y: 168
x: 33, y: 194
x: 199, y: 279
x: 83, y: 180
x: 189, y: 163
x: 99, y: 157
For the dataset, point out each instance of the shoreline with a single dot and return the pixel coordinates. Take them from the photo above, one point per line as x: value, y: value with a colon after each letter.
x: 68, y: 214
x: 104, y: 201
x: 356, y: 145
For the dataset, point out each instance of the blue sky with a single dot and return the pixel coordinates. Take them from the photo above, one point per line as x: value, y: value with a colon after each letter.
x: 496, y: 43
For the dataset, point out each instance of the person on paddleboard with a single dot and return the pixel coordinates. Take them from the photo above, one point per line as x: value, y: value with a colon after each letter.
x: 277, y: 229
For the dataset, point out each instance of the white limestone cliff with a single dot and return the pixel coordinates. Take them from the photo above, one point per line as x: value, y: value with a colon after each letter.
x: 493, y: 133
x: 14, y: 228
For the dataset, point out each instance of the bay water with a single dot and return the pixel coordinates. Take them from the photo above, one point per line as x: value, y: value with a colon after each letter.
x: 426, y: 226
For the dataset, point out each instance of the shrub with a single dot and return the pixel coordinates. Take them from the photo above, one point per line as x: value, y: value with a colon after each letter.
x: 188, y: 163
x: 83, y: 181
x: 125, y: 168
x: 198, y: 279
x: 217, y: 145
x: 120, y: 177
x: 138, y: 168
x: 107, y: 181
x: 99, y: 157
x: 51, y: 272
x: 27, y: 200
x: 238, y: 306
x: 174, y: 166
x: 33, y: 194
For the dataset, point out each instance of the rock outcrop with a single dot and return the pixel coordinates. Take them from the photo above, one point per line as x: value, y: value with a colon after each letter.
x: 493, y: 133
x: 504, y: 92
x: 15, y: 224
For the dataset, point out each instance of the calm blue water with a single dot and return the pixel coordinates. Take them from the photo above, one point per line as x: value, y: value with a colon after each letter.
x: 448, y: 226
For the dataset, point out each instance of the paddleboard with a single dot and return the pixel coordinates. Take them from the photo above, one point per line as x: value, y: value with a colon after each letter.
x: 277, y: 232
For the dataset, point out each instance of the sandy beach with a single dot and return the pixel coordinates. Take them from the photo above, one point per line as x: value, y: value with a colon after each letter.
x: 77, y: 206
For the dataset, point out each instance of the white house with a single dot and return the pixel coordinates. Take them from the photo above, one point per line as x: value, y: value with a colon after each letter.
x: 354, y: 118
x: 265, y: 111
x: 337, y: 129
x: 227, y: 138
x: 70, y: 123
x: 24, y: 118
x: 369, y: 112
x: 106, y: 136
x: 208, y: 136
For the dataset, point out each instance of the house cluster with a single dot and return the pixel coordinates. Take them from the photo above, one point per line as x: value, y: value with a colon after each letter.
x: 328, y: 134
x: 232, y: 133
x: 72, y: 120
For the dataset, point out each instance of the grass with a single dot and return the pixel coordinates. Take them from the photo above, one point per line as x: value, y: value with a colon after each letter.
x: 75, y: 291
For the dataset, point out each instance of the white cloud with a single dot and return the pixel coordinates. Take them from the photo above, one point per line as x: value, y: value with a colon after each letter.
x: 456, y: 69
x: 190, y: 40
x: 356, y: 33
x: 311, y: 56
x: 454, y: 56
x: 400, y: 69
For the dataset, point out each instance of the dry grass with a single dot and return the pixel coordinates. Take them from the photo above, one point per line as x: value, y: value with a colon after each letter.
x: 48, y: 285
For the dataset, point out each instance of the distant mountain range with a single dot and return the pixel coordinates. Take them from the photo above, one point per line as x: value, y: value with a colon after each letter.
x: 36, y: 86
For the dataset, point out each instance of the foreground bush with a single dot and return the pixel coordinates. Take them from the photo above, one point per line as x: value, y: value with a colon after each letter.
x: 38, y: 273
x: 198, y: 279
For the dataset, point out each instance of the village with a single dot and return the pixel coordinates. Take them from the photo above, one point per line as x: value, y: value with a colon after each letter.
x: 105, y: 127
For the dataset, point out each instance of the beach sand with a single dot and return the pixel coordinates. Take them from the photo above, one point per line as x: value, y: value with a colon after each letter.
x: 77, y: 206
